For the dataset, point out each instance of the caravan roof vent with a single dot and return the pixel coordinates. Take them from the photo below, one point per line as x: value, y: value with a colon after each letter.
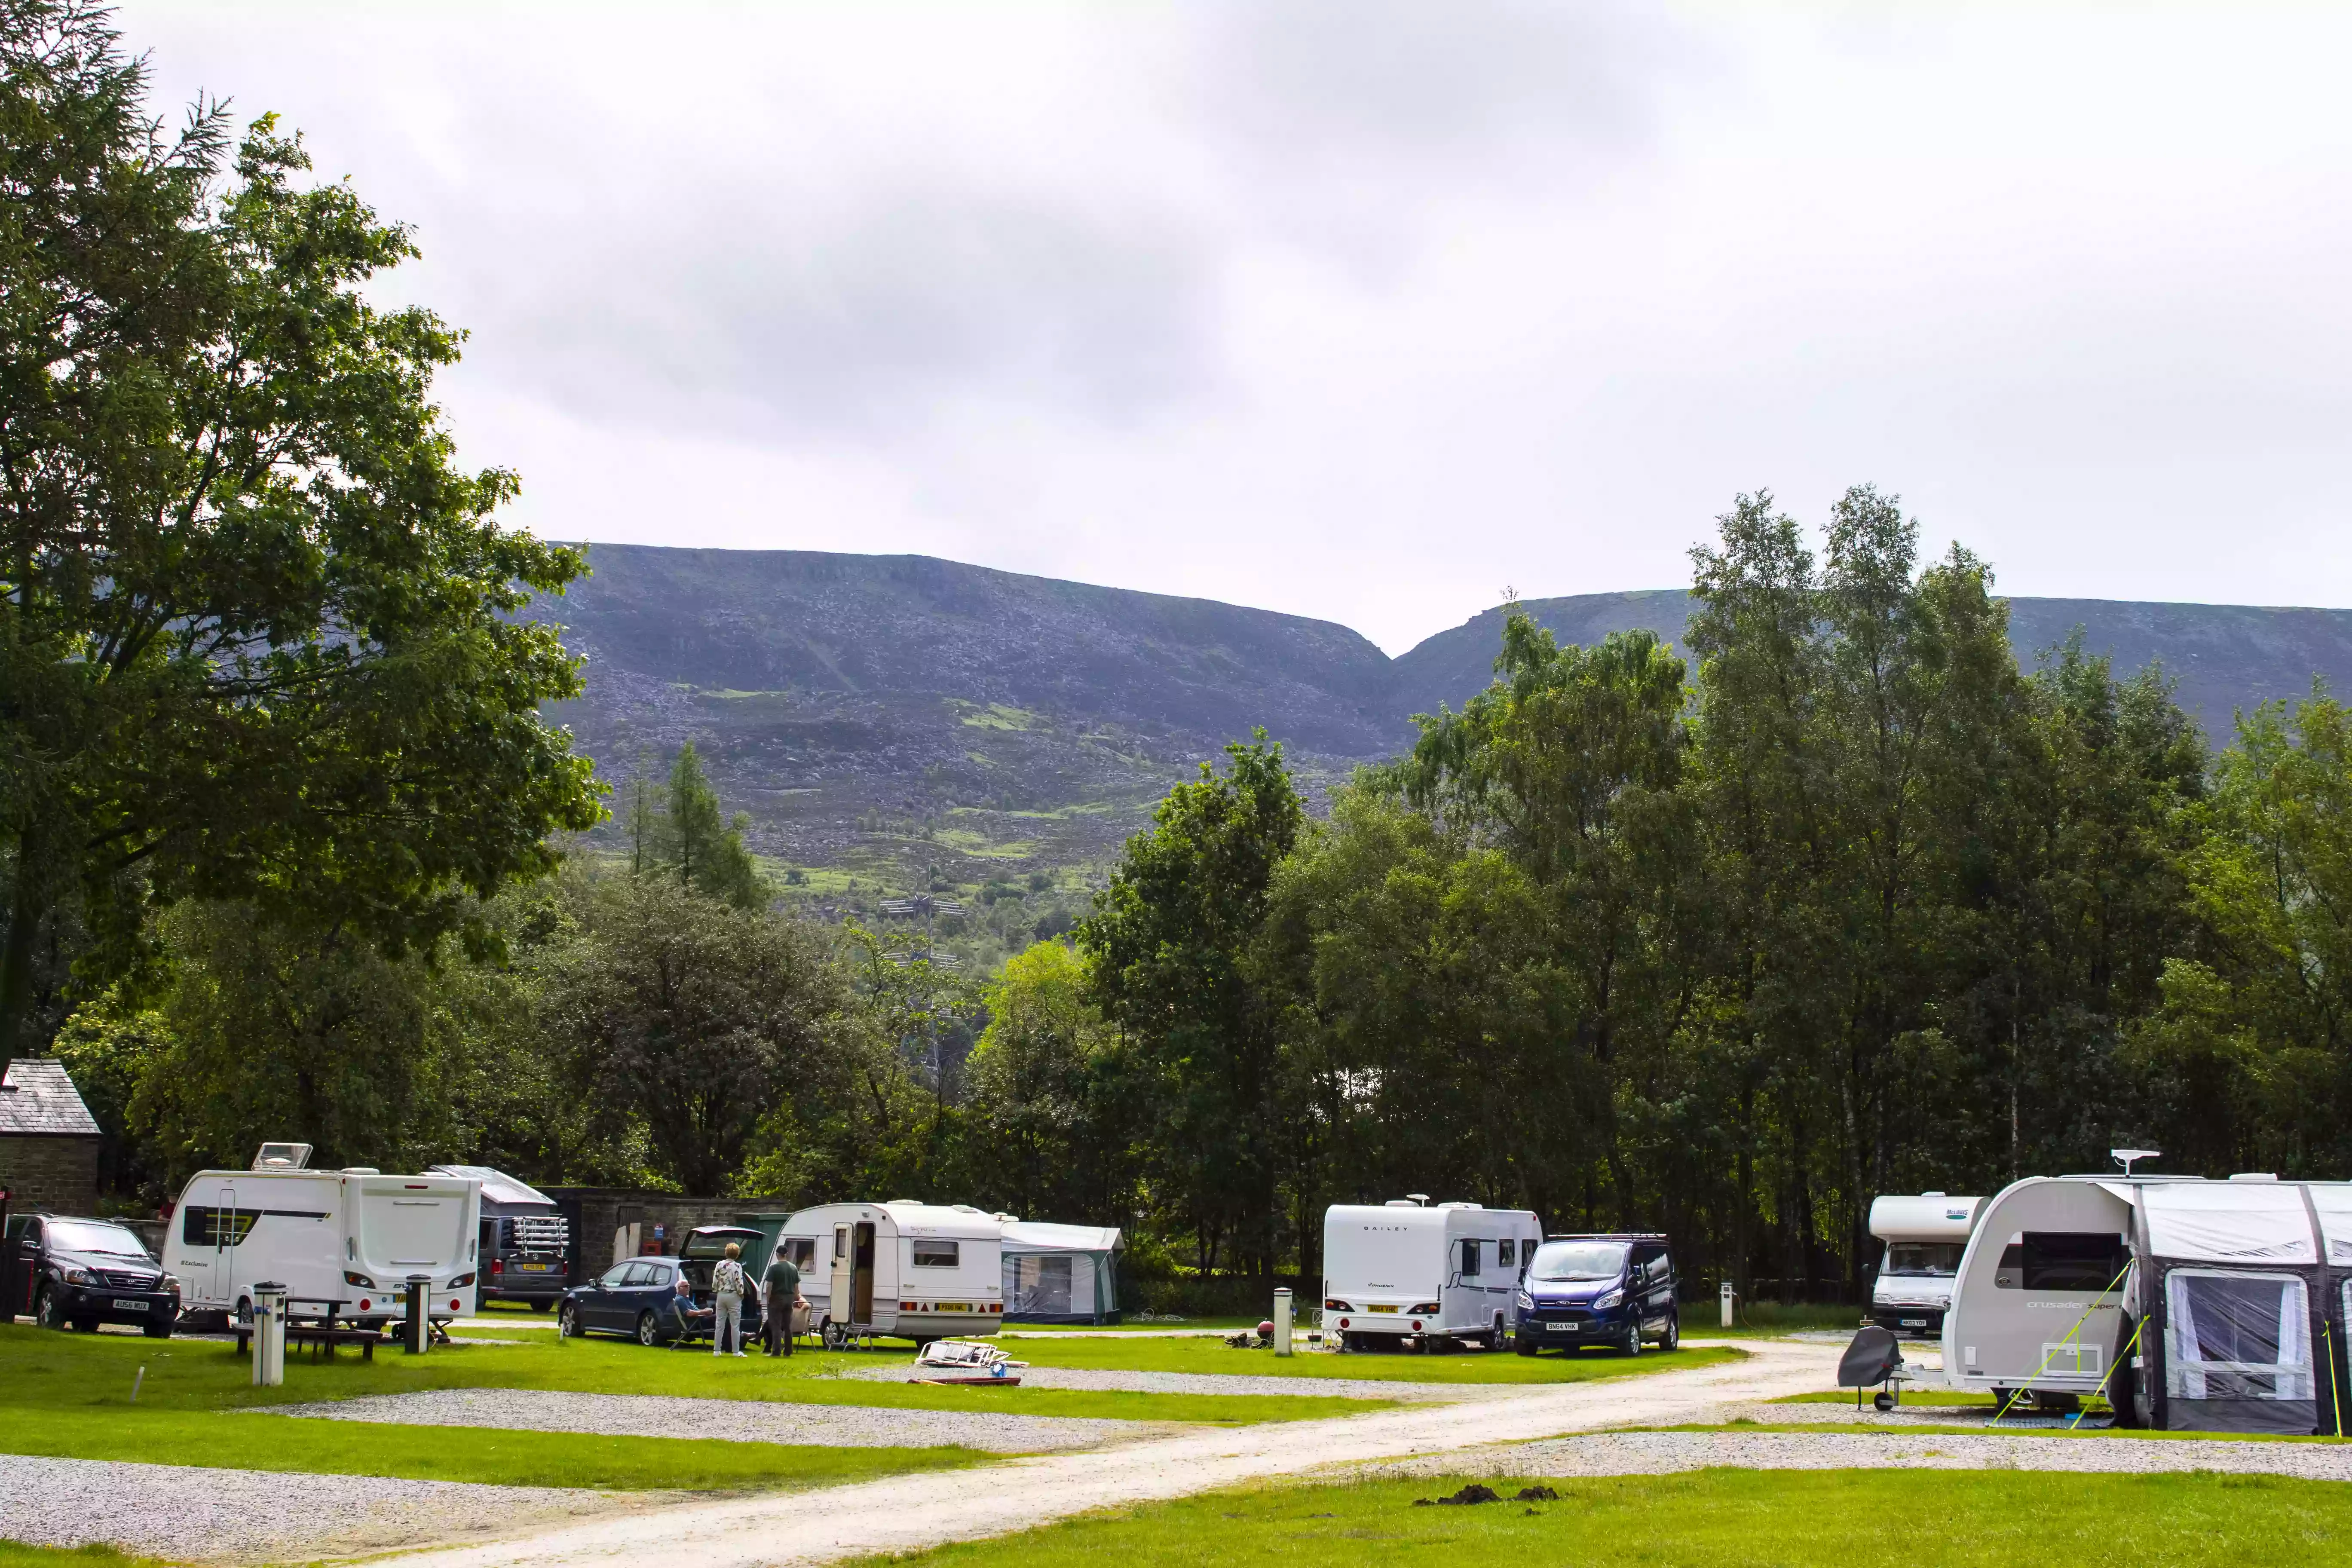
x: 362, y: 1171
x: 1931, y: 1195
x: 1418, y: 1197
x: 965, y: 1208
x: 1457, y: 1204
x: 1401, y: 1204
x: 282, y: 1157
x: 903, y: 1204
x: 2254, y: 1176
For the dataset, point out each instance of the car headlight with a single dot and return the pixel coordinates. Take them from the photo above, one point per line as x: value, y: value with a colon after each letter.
x: 169, y: 1282
x: 1602, y: 1303
x: 79, y: 1277
x: 1527, y: 1302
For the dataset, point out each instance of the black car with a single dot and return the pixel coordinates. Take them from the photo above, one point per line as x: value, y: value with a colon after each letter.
x: 80, y: 1273
x: 1615, y: 1290
x: 640, y: 1297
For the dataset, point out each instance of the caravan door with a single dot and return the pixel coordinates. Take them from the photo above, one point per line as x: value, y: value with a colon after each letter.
x: 851, y: 1298
x: 227, y: 1233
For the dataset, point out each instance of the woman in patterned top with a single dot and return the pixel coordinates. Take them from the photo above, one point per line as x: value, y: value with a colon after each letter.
x: 727, y: 1284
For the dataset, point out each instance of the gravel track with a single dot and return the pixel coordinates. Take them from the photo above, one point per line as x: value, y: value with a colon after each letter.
x: 1117, y: 1381
x: 743, y: 1421
x: 185, y: 1513
x: 1663, y: 1453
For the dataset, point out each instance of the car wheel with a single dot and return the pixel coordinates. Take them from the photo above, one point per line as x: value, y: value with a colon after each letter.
x: 161, y: 1330
x: 1672, y: 1339
x: 1524, y: 1342
x: 1631, y: 1343
x: 648, y: 1329
x: 45, y: 1310
x: 567, y: 1322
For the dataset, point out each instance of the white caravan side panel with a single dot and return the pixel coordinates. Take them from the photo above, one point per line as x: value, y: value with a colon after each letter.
x: 2000, y: 1334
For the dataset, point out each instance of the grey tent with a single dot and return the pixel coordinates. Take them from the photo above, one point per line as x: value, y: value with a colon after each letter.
x: 1061, y: 1273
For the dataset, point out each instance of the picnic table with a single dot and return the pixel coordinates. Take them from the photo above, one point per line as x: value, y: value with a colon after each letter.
x: 323, y: 1334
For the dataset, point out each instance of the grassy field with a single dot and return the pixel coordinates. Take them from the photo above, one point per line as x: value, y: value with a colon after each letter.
x: 16, y: 1554
x: 1719, y: 1519
x: 1704, y: 1319
x: 40, y: 1367
x: 1200, y: 1355
x: 220, y: 1440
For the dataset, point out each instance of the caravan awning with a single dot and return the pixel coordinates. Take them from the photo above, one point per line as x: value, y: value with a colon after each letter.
x: 2228, y: 1221
x: 1033, y: 1236
x: 2334, y: 1202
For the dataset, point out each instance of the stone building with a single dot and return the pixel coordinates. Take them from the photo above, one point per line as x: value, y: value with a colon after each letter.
x: 48, y: 1139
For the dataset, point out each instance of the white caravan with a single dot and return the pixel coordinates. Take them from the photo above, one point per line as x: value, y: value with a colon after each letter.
x: 910, y: 1270
x: 1925, y: 1237
x: 2193, y: 1305
x: 1401, y: 1270
x: 347, y: 1238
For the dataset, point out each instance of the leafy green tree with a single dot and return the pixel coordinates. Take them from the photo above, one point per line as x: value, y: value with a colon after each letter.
x: 702, y: 845
x: 1169, y: 950
x: 1043, y: 1136
x: 258, y: 637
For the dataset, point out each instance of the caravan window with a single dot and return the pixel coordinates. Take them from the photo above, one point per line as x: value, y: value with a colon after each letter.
x: 934, y: 1254
x: 2062, y: 1260
x: 204, y: 1226
x: 1923, y: 1260
x: 1505, y: 1256
x: 802, y: 1251
x: 1470, y: 1259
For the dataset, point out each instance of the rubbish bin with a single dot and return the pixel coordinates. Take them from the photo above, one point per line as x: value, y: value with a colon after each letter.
x: 1282, y: 1320
x: 416, y: 1331
x: 268, y: 1334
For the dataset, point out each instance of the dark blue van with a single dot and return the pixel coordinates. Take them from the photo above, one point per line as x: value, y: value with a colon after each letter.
x: 1613, y: 1290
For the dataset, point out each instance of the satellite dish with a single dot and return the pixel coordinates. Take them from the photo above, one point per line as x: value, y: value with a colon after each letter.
x: 2124, y: 1157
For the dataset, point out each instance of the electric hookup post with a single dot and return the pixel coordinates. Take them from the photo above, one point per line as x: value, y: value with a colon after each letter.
x: 418, y: 1328
x: 1729, y: 1296
x: 1282, y: 1320
x: 268, y: 1334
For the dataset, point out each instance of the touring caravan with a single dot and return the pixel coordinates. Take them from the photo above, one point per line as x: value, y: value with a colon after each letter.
x: 2193, y: 1305
x: 1401, y: 1270
x: 349, y: 1238
x: 904, y: 1269
x: 1925, y: 1237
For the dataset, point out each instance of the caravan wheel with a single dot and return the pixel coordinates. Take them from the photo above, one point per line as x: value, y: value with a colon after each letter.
x: 831, y: 1335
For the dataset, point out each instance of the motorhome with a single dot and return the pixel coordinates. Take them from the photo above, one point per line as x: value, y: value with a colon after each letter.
x: 1402, y: 1272
x: 2191, y: 1305
x: 1925, y: 1237
x: 902, y: 1269
x: 524, y: 1242
x: 352, y: 1238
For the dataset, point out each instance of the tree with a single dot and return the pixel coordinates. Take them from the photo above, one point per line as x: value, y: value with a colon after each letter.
x: 1169, y: 950
x: 1043, y: 1136
x: 692, y: 1019
x: 705, y: 848
x: 258, y: 634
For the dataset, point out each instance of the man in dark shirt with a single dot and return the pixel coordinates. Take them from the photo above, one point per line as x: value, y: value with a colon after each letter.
x: 783, y: 1294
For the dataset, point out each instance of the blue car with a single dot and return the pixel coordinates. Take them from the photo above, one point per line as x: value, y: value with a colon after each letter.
x: 639, y: 1296
x: 1617, y: 1291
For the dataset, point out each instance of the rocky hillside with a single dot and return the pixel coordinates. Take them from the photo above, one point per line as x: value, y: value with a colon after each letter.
x: 886, y: 718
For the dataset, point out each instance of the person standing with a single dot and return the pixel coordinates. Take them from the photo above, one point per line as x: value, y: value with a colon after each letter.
x: 783, y: 1299
x: 727, y: 1284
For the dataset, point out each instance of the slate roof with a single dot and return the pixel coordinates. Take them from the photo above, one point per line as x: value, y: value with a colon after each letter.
x: 40, y: 1099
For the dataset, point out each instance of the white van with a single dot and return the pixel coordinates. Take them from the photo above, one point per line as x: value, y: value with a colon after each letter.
x: 350, y: 1238
x: 1401, y: 1270
x: 1925, y: 1237
x: 910, y: 1270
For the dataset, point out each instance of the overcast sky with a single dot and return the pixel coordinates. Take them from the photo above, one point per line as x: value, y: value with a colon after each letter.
x: 1365, y: 310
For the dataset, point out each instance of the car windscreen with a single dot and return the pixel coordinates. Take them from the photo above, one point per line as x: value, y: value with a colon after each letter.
x: 1923, y: 1260
x: 708, y: 1244
x: 1557, y: 1261
x: 86, y: 1236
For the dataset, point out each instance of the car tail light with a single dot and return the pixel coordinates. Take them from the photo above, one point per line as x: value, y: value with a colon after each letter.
x: 497, y: 1266
x: 1336, y: 1305
x: 1343, y: 1322
x: 1429, y: 1308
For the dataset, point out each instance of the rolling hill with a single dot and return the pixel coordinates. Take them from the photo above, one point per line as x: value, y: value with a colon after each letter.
x: 900, y: 719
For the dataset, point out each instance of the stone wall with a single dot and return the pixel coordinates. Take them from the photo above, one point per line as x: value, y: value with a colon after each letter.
x: 611, y: 1223
x: 58, y: 1171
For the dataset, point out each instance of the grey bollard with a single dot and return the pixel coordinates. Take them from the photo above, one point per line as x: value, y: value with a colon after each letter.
x: 268, y: 1334
x: 416, y: 1331
x: 1729, y: 1295
x: 1282, y: 1320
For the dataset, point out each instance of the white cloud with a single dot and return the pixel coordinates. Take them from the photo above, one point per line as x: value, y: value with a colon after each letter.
x: 1363, y: 311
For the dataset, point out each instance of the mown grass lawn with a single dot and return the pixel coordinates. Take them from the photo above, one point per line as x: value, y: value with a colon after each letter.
x: 1209, y: 1355
x: 221, y: 1440
x: 17, y: 1555
x: 1719, y: 1519
x: 49, y: 1370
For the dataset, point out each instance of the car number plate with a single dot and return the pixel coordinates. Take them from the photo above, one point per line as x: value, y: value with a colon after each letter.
x: 534, y: 1267
x: 1915, y: 1322
x: 1562, y: 1328
x: 123, y: 1304
x: 1382, y: 1309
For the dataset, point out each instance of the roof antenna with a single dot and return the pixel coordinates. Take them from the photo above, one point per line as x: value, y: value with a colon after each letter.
x: 2124, y: 1157
x: 1421, y: 1200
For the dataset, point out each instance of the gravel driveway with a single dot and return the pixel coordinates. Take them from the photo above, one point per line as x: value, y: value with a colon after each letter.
x: 183, y: 1513
x: 744, y: 1421
x: 1660, y: 1453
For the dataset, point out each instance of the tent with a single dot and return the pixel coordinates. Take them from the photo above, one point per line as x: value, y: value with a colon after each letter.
x: 1061, y: 1273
